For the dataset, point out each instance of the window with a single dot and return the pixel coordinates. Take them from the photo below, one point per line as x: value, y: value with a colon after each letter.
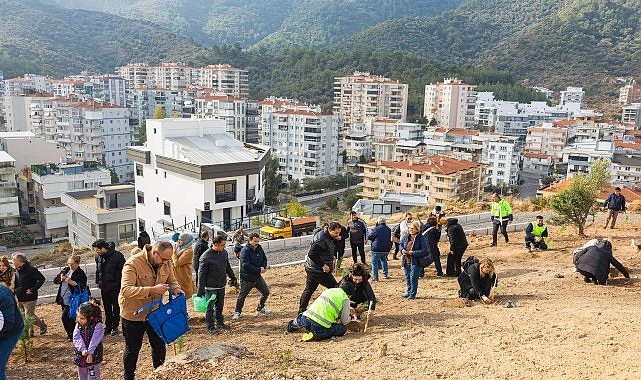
x: 75, y: 185
x: 74, y: 217
x: 126, y: 231
x: 140, y: 197
x: 93, y: 230
x: 225, y: 191
x: 167, y: 208
x: 139, y: 170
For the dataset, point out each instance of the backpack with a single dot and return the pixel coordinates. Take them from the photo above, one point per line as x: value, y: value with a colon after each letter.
x: 469, y: 261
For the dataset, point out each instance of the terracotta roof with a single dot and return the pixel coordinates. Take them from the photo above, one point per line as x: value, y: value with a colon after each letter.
x: 218, y: 97
x: 461, y: 131
x: 385, y: 121
x: 537, y: 155
x: 440, y: 164
x: 281, y: 102
x: 626, y: 145
x: 388, y: 141
x: 94, y: 105
x: 629, y: 194
x: 297, y: 112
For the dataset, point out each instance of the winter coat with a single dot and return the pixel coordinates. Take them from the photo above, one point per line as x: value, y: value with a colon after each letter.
x: 471, y: 277
x: 340, y: 244
x: 614, y: 202
x: 89, y: 338
x: 138, y: 277
x: 213, y: 270
x: 596, y: 260
x: 320, y: 253
x: 456, y: 236
x: 432, y: 236
x: 143, y: 238
x: 419, y: 248
x: 251, y: 262
x: 78, y: 276
x: 13, y: 322
x: 357, y: 231
x: 363, y: 291
x: 182, y: 270
x: 28, y: 277
x: 109, y: 269
x: 381, y: 238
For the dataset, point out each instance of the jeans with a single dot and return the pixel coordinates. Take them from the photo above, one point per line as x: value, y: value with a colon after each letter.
x: 68, y: 323
x: 495, y: 230
x: 83, y: 373
x: 215, y: 308
x: 540, y: 245
x: 321, y: 332
x: 411, y: 278
x: 246, y: 287
x: 376, y: 258
x: 311, y: 284
x: 356, y: 248
x: 6, y: 346
x: 112, y: 310
x: 133, y: 332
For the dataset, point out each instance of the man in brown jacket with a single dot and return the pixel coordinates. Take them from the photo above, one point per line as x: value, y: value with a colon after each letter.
x: 146, y: 276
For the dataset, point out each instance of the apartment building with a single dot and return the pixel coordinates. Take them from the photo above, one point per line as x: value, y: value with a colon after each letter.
x: 231, y: 109
x: 450, y: 103
x: 384, y: 149
x: 28, y: 149
x: 224, y: 79
x: 101, y: 88
x: 626, y: 169
x: 579, y: 156
x: 9, y: 207
x: 107, y: 212
x: 440, y: 178
x: 214, y: 178
x: 630, y: 93
x: 572, y: 95
x: 548, y: 138
x: 501, y: 157
x: 631, y: 114
x: 363, y: 95
x: 407, y: 149
x: 41, y: 187
x: 539, y: 163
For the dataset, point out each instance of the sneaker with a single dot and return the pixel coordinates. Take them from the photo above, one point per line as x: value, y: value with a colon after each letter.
x: 307, y: 337
x: 236, y: 316
x: 222, y: 326
x: 386, y: 277
x: 493, y: 245
x: 439, y: 274
x: 43, y: 327
x: 263, y: 311
x: 405, y: 295
x: 213, y: 331
x: 292, y: 326
x: 114, y: 332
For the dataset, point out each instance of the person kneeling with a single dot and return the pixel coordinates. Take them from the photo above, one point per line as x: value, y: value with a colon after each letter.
x: 593, y: 261
x: 321, y: 318
x: 477, y: 279
x: 363, y: 300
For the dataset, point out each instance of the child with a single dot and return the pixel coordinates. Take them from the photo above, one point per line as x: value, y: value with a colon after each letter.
x: 87, y: 340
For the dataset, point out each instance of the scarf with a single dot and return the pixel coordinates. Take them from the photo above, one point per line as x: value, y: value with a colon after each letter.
x: 186, y: 239
x: 7, y: 276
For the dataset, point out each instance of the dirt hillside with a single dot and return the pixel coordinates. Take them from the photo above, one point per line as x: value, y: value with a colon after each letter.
x: 562, y: 328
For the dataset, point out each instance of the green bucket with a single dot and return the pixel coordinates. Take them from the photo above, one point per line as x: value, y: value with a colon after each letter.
x: 200, y: 303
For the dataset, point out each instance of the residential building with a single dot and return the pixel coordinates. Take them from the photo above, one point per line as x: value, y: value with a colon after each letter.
x: 384, y: 149
x: 28, y: 149
x: 626, y: 169
x: 450, y: 103
x: 224, y: 79
x: 363, y: 95
x: 42, y: 186
x: 631, y: 114
x: 408, y: 149
x: 572, y: 95
x: 214, y: 178
x: 358, y: 147
x: 580, y: 156
x: 107, y: 212
x: 548, y: 139
x: 232, y: 110
x: 539, y: 163
x: 18, y: 110
x: 9, y: 208
x: 547, y: 92
x: 440, y: 178
x: 501, y: 157
x: 630, y: 93
x: 101, y: 88
x: 304, y: 140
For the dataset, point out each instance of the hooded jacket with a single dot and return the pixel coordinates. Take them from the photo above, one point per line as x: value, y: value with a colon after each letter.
x: 251, y: 262
x: 456, y: 235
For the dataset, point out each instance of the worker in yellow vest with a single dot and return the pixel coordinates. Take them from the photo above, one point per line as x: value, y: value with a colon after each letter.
x: 328, y: 315
x: 501, y: 214
x: 535, y: 234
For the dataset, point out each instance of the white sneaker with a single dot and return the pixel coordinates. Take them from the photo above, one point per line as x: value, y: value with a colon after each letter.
x: 236, y: 316
x: 263, y: 311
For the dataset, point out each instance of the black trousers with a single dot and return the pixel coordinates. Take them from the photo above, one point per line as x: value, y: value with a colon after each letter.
x: 133, y: 332
x: 311, y: 284
x: 358, y: 248
x: 495, y: 230
x: 453, y: 267
x: 68, y: 323
x: 112, y: 310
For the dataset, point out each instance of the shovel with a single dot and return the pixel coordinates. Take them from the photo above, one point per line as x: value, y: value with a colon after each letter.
x: 367, y: 318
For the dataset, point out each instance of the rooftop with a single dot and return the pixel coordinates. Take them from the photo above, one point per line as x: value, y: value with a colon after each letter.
x: 215, y: 149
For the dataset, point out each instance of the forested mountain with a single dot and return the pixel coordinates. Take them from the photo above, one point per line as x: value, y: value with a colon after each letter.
x: 271, y: 24
x: 45, y: 39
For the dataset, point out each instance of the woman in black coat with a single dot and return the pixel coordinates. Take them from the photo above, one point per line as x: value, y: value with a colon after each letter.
x: 432, y: 236
x: 363, y: 293
x: 458, y: 245
x: 593, y: 262
x: 70, y: 278
x: 477, y: 280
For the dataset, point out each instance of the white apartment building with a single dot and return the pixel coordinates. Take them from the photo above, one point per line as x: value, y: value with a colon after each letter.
x: 547, y: 92
x: 363, y: 95
x: 451, y: 103
x: 102, y: 88
x: 232, y: 110
x: 224, y: 79
x: 631, y: 114
x: 304, y: 140
x: 193, y: 171
x: 572, y: 95
x: 630, y: 93
x: 580, y: 156
x: 626, y: 169
x: 548, y: 139
x: 9, y: 208
x: 48, y: 182
x: 501, y: 157
x: 538, y: 163
x: 18, y: 111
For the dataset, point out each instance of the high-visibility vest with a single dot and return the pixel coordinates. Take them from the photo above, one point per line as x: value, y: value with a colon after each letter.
x: 501, y: 209
x: 327, y: 307
x: 538, y: 230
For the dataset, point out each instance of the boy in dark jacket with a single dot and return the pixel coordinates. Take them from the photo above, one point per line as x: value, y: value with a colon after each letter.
x: 319, y: 264
x: 458, y: 245
x: 213, y: 270
x: 28, y: 281
x: 109, y: 264
x: 253, y: 263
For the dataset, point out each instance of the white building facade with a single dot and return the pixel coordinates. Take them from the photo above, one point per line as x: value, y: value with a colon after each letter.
x: 451, y: 103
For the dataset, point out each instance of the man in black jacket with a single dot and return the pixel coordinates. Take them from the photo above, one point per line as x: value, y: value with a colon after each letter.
x: 109, y: 263
x: 28, y: 281
x: 212, y: 271
x: 143, y: 237
x: 201, y: 246
x: 319, y: 264
x: 458, y: 245
x: 357, y: 236
x: 614, y: 204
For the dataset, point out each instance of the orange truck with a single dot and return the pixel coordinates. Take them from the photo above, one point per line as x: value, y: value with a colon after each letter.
x: 282, y: 227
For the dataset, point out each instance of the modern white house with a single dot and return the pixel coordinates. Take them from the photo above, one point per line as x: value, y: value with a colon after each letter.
x: 107, y: 212
x: 192, y: 171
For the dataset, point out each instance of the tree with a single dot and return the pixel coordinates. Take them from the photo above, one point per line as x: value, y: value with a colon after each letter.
x: 350, y: 197
x: 272, y: 181
x: 296, y: 209
x: 141, y: 133
x: 578, y: 201
x: 159, y: 112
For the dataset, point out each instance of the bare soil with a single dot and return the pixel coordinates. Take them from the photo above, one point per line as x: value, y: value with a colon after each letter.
x: 562, y: 327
